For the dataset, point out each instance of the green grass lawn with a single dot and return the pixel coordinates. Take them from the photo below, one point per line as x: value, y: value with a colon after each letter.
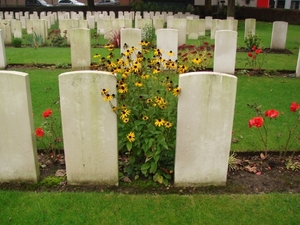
x: 111, y: 208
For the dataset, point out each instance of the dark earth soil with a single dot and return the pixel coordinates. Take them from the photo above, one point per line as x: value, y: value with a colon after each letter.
x: 248, y: 174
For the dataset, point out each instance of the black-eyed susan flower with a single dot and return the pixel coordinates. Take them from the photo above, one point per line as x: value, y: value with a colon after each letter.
x: 149, y: 100
x: 176, y: 91
x: 145, y: 76
x: 122, y: 88
x: 104, y: 91
x: 131, y: 136
x: 170, y: 53
x: 168, y: 124
x: 124, y: 113
x: 145, y: 117
x: 196, y: 61
x: 108, y: 97
x: 159, y: 122
x: 96, y: 55
x: 126, y: 120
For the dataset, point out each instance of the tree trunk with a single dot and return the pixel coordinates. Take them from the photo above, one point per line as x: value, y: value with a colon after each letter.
x: 231, y: 8
x: 91, y: 5
x: 208, y: 8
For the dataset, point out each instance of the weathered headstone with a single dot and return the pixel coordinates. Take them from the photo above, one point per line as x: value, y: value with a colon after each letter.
x: 204, y: 128
x: 80, y: 41
x: 250, y: 27
x: 298, y: 65
x: 89, y: 128
x: 180, y: 25
x: 167, y: 40
x: 3, y: 62
x: 279, y: 34
x: 225, y: 51
x: 18, y: 152
x: 131, y: 37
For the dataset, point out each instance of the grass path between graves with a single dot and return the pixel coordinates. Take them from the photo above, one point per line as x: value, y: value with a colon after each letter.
x: 111, y: 208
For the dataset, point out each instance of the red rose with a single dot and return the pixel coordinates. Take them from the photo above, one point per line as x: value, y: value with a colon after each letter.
x: 254, y: 48
x: 250, y: 54
x: 272, y: 113
x: 39, y: 132
x: 256, y: 122
x: 294, y: 107
x: 47, y: 113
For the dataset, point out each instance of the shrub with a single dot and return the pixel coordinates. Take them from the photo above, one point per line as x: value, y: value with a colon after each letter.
x: 252, y: 40
x: 146, y: 111
x: 35, y: 40
x: 17, y: 42
x: 148, y: 33
x: 56, y: 39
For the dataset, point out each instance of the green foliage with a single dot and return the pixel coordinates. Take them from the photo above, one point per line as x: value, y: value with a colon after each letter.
x: 114, y: 38
x: 52, y: 181
x: 148, y: 33
x: 35, y: 40
x: 56, y: 39
x: 49, y: 133
x: 146, y: 111
x: 256, y: 59
x: 17, y: 42
x: 252, y: 40
x: 193, y: 58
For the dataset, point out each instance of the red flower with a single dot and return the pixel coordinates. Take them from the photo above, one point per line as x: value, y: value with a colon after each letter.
x: 294, y: 107
x: 254, y: 48
x: 39, y: 132
x: 256, y: 122
x: 258, y: 51
x: 250, y: 54
x: 47, y: 113
x: 272, y: 113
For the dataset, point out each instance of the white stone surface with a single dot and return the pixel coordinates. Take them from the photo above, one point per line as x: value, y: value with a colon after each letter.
x: 40, y: 28
x: 279, y: 34
x: 3, y: 62
x: 80, y: 40
x: 131, y: 37
x: 250, y: 27
x: 298, y: 65
x: 180, y: 25
x: 89, y: 128
x: 204, y: 128
x: 208, y: 20
x: 18, y: 153
x: 225, y: 51
x: 167, y: 40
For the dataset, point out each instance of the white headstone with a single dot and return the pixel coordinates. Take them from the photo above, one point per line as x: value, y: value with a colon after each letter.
x: 18, y: 152
x: 131, y: 37
x: 3, y: 62
x: 250, y: 27
x: 180, y: 25
x: 298, y: 65
x: 204, y: 127
x: 167, y: 40
x: 225, y: 51
x: 89, y: 128
x: 279, y: 34
x: 80, y: 40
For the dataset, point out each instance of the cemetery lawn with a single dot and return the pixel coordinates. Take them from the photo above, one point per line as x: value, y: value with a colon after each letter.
x: 111, y: 208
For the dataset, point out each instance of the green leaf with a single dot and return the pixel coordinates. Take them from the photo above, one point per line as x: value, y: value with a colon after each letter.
x: 158, y: 178
x: 145, y: 166
x: 129, y: 145
x: 131, y: 159
x: 153, y: 167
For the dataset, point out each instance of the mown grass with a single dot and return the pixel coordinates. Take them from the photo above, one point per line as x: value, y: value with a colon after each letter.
x: 111, y: 208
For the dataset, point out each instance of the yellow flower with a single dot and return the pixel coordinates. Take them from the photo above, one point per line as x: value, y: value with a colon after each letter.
x: 159, y: 122
x: 104, y: 91
x: 114, y: 108
x: 145, y: 76
x: 176, y: 91
x: 96, y: 55
x: 125, y: 113
x: 168, y: 124
x: 149, y: 100
x: 170, y: 53
x: 138, y: 84
x: 108, y: 97
x: 155, y: 71
x: 131, y: 136
x: 122, y: 88
x: 126, y: 120
x: 145, y: 118
x: 196, y: 61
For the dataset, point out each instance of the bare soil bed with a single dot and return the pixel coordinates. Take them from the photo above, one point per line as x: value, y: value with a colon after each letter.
x: 250, y: 174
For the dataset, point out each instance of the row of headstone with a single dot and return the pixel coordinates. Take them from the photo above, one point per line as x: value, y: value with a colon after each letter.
x: 90, y: 128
